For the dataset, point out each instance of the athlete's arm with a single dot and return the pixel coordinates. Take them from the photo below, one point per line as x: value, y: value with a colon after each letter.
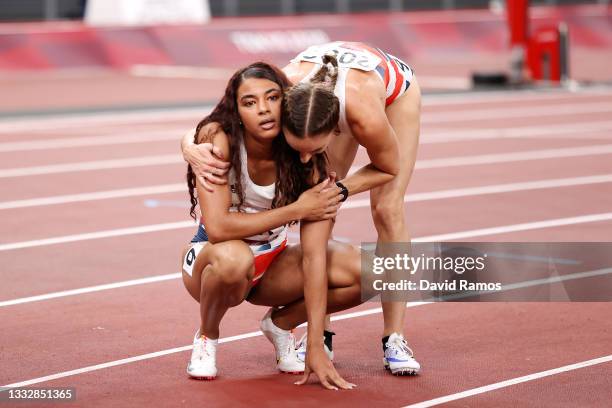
x: 313, y: 238
x: 369, y: 124
x: 205, y: 159
x: 223, y: 225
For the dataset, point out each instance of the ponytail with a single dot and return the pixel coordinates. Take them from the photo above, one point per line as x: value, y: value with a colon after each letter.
x: 328, y: 73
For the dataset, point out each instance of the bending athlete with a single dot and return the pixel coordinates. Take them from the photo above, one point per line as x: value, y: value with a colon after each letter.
x: 379, y: 102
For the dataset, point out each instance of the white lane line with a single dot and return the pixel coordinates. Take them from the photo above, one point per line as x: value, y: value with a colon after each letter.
x: 554, y: 279
x: 77, y: 120
x: 430, y: 137
x: 351, y: 203
x: 92, y: 165
x: 99, y: 234
x: 592, y: 150
x: 430, y: 238
x: 103, y: 140
x: 359, y: 204
x: 93, y: 196
x: 180, y: 349
x: 445, y: 82
x: 91, y: 289
x: 514, y: 156
x: 491, y: 189
x: 494, y: 158
x: 334, y: 318
x: 510, y: 382
x: 187, y: 71
x: 500, y: 97
x: 578, y: 131
x: 532, y: 283
x: 513, y: 113
x: 180, y: 71
x: 37, y: 123
x: 559, y: 222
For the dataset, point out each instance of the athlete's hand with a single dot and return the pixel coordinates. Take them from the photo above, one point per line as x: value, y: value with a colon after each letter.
x: 318, y: 363
x: 320, y: 202
x: 208, y: 164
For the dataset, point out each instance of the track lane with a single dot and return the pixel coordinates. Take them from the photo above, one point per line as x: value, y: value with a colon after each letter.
x: 170, y: 372
x: 480, y: 353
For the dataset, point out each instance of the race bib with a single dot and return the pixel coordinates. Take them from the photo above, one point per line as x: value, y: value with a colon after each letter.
x: 349, y: 58
x: 191, y: 256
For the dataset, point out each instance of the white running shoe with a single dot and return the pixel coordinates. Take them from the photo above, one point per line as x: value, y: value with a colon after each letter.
x: 399, y: 358
x: 203, y: 363
x: 302, y: 348
x: 287, y: 360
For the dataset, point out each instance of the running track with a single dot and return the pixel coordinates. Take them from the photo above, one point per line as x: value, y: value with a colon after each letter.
x: 99, y: 200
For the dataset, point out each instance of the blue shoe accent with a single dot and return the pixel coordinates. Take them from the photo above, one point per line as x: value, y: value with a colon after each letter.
x: 397, y: 360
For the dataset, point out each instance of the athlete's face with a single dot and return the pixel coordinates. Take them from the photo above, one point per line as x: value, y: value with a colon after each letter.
x: 309, y: 145
x: 259, y: 107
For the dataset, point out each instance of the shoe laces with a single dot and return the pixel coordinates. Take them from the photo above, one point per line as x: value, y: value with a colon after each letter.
x: 302, y: 342
x: 203, y: 348
x: 400, y: 344
x: 287, y: 347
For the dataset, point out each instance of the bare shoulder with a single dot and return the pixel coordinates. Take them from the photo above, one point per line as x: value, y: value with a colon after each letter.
x: 296, y: 71
x: 365, y: 97
x: 213, y: 133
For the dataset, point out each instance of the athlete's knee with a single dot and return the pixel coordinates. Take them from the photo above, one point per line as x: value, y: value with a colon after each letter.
x: 350, y: 265
x: 232, y: 262
x: 353, y: 267
x: 388, y: 214
x: 353, y: 270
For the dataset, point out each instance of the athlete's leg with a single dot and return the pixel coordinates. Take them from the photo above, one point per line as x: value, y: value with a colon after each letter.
x: 387, y: 204
x: 283, y: 284
x: 221, y: 278
x: 387, y: 201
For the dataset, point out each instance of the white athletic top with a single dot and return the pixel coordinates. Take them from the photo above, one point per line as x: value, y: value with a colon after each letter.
x: 394, y: 73
x: 256, y: 199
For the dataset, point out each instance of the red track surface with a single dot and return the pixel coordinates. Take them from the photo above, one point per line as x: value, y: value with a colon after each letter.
x: 461, y: 346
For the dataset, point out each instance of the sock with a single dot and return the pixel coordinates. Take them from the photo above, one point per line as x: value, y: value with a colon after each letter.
x: 328, y: 339
x: 384, y: 343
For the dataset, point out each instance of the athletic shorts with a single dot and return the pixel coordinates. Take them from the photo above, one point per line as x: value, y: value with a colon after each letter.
x: 264, y: 253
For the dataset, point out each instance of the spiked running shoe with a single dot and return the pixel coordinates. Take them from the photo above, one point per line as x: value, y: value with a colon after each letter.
x: 327, y: 346
x: 203, y: 363
x: 399, y: 358
x: 287, y: 360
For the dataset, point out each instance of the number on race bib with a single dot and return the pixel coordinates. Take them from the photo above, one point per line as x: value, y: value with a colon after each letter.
x: 190, y: 257
x: 348, y: 58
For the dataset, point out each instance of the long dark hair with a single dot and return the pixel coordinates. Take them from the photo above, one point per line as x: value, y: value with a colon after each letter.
x: 292, y: 177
